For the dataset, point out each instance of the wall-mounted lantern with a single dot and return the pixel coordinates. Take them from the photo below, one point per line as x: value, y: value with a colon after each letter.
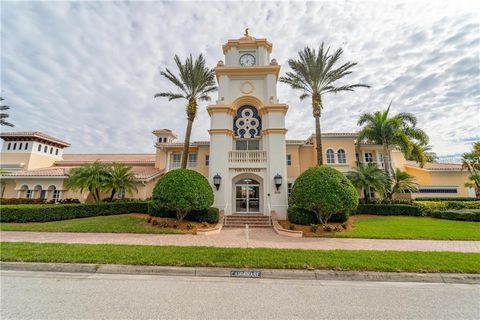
x: 217, y: 180
x: 278, y: 180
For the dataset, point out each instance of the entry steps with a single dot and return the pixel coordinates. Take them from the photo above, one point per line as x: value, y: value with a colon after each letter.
x: 253, y: 221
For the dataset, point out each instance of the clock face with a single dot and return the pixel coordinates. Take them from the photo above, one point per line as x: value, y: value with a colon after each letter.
x: 247, y: 60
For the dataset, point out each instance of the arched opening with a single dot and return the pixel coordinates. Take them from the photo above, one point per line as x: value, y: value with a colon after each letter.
x: 247, y: 195
x: 330, y: 156
x: 53, y: 193
x: 39, y: 193
x: 23, y: 192
x: 341, y: 156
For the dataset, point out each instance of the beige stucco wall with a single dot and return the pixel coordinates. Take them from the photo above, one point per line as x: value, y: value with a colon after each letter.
x: 201, y: 167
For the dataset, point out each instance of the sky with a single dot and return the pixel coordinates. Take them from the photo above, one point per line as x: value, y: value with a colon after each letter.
x: 86, y: 72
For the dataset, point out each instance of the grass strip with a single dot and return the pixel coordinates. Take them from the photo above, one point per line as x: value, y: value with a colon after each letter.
x: 110, y: 224
x: 394, y: 261
x: 393, y: 227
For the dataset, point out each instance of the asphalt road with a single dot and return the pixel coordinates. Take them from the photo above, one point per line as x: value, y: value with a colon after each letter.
x: 47, y: 295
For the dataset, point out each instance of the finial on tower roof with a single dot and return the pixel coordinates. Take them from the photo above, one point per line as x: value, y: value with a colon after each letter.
x: 246, y: 33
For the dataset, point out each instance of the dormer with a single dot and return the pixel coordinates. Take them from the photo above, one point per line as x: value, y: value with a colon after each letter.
x: 30, y: 150
x: 164, y: 136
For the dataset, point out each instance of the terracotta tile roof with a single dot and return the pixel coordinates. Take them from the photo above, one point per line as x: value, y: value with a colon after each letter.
x: 437, y: 166
x: 35, y: 135
x: 140, y: 172
x: 42, y: 172
x: 78, y: 159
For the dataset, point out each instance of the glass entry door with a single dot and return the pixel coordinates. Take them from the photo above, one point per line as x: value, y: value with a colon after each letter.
x: 247, y: 196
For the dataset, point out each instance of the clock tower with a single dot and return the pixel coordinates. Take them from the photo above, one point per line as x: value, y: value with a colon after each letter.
x: 247, y: 131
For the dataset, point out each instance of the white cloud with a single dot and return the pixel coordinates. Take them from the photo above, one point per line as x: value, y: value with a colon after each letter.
x: 87, y: 71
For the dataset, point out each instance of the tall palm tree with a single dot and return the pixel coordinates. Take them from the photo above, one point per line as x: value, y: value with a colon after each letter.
x: 399, y: 130
x: 4, y: 115
x: 121, y: 177
x: 92, y: 177
x: 315, y: 73
x: 401, y: 182
x: 194, y: 82
x: 368, y: 178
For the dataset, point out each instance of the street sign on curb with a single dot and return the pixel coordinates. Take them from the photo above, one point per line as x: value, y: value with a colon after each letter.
x: 245, y: 274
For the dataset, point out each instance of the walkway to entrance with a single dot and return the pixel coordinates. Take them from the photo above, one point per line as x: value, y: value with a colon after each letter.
x: 265, y: 238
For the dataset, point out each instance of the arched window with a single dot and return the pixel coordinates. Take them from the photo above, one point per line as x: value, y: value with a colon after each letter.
x: 247, y: 123
x: 341, y: 156
x: 330, y: 156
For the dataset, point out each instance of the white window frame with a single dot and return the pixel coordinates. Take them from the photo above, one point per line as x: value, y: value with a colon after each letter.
x: 330, y: 152
x: 343, y: 159
x: 368, y: 158
x: 289, y: 159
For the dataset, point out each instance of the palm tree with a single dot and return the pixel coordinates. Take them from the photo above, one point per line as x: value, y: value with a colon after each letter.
x: 471, y: 162
x: 315, y: 73
x: 121, y: 177
x: 401, y: 182
x: 194, y: 82
x: 368, y: 178
x: 399, y: 130
x: 421, y: 153
x: 92, y: 177
x: 3, y: 115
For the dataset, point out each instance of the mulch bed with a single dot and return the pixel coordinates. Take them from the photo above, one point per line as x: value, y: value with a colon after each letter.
x: 320, y: 232
x: 171, y: 223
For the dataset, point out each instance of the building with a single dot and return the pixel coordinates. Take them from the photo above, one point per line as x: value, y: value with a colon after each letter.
x: 253, y: 164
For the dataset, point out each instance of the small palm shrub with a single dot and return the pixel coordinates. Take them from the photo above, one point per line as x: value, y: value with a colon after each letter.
x: 324, y: 191
x: 182, y: 191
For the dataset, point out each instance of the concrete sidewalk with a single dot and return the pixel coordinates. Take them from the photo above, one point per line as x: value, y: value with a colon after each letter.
x: 258, y: 238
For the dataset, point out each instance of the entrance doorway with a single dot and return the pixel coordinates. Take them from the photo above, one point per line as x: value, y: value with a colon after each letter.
x: 247, y: 196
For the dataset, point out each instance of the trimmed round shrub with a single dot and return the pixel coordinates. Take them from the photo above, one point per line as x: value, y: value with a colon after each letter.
x: 324, y: 191
x: 182, y: 191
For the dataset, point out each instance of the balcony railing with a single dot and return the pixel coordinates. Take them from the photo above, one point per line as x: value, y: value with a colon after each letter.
x: 250, y: 156
x: 373, y: 163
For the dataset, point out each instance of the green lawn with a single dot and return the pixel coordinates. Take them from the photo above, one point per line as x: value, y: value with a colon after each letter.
x: 395, y: 227
x: 396, y: 261
x: 124, y: 223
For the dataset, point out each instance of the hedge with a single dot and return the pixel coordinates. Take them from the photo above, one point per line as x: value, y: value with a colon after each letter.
x: 464, y: 214
x: 389, y: 209
x: 301, y: 216
x: 11, y: 201
x: 210, y: 215
x: 446, y: 199
x: 55, y: 212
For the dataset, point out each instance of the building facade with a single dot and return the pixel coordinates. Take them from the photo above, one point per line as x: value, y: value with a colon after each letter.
x: 248, y: 160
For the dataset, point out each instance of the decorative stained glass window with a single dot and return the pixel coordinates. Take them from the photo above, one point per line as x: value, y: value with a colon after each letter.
x: 247, y: 123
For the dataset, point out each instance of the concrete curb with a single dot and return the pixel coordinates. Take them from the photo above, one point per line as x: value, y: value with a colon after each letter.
x: 294, y: 274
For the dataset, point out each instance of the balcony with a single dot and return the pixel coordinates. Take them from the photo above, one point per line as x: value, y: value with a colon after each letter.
x: 247, y: 156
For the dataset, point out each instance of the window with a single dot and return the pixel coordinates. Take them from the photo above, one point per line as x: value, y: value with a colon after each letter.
x: 121, y: 193
x: 290, y: 185
x: 26, y: 146
x: 207, y: 160
x: 289, y: 159
x: 176, y: 160
x: 56, y: 195
x: 165, y: 139
x: 45, y: 149
x: 56, y: 152
x: 357, y: 157
x: 192, y: 160
x: 247, y: 144
x: 29, y: 194
x: 51, y: 150
x: 9, y: 145
x: 341, y: 156
x: 380, y: 159
x: 438, y: 190
x: 20, y: 146
x: 14, y: 146
x: 39, y: 147
x: 368, y: 157
x: 371, y: 193
x: 330, y: 156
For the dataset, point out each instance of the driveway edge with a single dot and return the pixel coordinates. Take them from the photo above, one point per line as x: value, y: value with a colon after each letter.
x: 294, y: 274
